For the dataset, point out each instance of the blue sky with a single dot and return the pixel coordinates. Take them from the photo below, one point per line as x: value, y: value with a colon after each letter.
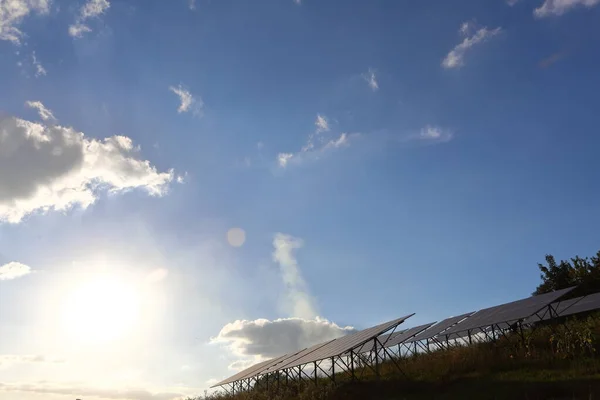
x: 380, y: 157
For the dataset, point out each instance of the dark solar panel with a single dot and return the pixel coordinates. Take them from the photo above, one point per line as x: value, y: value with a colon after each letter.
x: 274, y: 366
x: 346, y: 343
x: 248, y: 371
x: 401, y: 337
x: 587, y: 303
x: 288, y: 361
x: 509, y: 312
x: 439, y: 328
x: 370, y: 346
x: 349, y: 342
x: 559, y: 307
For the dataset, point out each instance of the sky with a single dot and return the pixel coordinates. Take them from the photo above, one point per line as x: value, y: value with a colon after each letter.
x: 189, y: 187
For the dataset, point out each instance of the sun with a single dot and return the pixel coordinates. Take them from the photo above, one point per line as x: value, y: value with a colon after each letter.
x: 102, y: 309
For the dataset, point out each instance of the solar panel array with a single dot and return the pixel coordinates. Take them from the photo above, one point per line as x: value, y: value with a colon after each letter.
x: 347, y: 343
x: 360, y: 342
x: 317, y: 352
x: 507, y: 313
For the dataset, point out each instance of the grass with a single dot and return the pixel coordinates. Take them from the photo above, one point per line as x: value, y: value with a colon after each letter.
x: 557, y: 363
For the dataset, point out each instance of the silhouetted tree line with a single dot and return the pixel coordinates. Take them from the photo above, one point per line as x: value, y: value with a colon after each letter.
x: 581, y: 272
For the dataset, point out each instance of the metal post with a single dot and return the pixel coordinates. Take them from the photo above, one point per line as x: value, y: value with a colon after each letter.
x: 376, y: 358
x: 316, y: 381
x: 352, y: 364
x: 333, y: 369
x: 470, y: 340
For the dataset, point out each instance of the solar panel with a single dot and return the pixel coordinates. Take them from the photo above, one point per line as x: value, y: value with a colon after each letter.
x: 439, y: 328
x: 240, y: 375
x: 587, y: 303
x: 349, y: 342
x: 399, y: 338
x: 370, y: 345
x: 572, y: 306
x: 284, y: 363
x: 346, y: 343
x: 509, y: 312
x: 560, y: 307
x: 273, y: 366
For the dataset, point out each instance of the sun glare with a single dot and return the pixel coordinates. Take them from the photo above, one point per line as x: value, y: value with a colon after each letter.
x: 102, y: 309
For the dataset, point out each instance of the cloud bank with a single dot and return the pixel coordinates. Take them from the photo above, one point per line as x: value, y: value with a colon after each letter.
x: 55, y: 168
x: 254, y: 340
x: 8, y: 359
x: 265, y: 339
x: 83, y: 391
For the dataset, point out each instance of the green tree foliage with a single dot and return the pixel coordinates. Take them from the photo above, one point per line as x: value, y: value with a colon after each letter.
x: 581, y: 272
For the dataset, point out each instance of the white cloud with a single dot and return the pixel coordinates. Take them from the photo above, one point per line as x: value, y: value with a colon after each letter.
x: 12, y: 13
x: 84, y: 391
x: 55, y: 168
x: 466, y: 28
x: 187, y: 100
x: 91, y: 9
x: 192, y: 4
x: 263, y: 339
x: 560, y: 7
x: 39, y: 68
x: 284, y: 158
x: 512, y: 2
x: 44, y: 113
x: 341, y: 141
x: 371, y: 80
x: 434, y: 134
x: 78, y: 29
x: 455, y: 57
x: 299, y: 302
x: 254, y: 340
x: 322, y: 124
x: 312, y: 152
x: 13, y: 270
x: 298, y: 2
x: 317, y: 144
x: 6, y: 360
x: 94, y: 8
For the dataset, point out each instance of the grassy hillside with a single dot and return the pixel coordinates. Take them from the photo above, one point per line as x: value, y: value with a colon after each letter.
x: 557, y: 363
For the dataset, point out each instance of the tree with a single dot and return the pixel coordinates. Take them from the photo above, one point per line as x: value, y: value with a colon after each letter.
x: 581, y: 272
